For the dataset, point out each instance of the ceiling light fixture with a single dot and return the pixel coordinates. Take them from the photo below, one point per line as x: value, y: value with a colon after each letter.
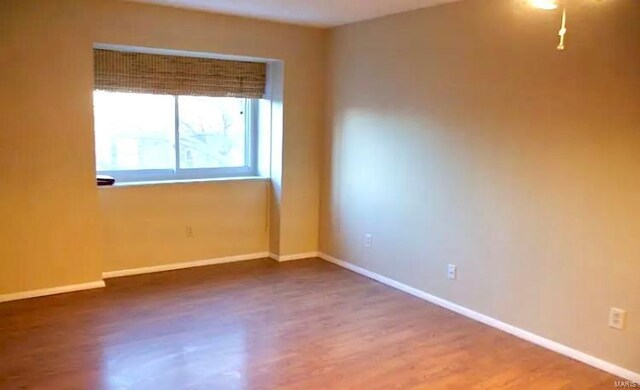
x: 545, y: 4
x: 552, y: 5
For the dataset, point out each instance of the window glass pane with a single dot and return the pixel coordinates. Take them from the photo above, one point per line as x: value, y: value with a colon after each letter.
x: 134, y: 131
x: 212, y: 132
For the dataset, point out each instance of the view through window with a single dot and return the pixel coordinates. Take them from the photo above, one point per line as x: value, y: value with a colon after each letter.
x: 161, y: 137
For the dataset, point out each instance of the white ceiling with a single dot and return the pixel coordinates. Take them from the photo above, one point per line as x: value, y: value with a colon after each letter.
x: 321, y: 13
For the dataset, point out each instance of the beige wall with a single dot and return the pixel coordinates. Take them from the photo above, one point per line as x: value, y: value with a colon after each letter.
x: 146, y: 225
x: 49, y: 227
x: 460, y: 135
x: 51, y: 216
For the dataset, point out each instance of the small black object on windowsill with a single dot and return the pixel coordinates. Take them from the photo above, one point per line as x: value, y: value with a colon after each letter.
x: 105, y: 180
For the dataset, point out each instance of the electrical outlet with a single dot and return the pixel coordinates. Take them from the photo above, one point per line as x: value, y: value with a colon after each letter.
x: 452, y: 272
x: 188, y: 230
x: 368, y: 240
x: 616, y: 318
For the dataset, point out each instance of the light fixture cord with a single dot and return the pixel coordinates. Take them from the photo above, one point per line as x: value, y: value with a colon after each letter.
x: 563, y: 29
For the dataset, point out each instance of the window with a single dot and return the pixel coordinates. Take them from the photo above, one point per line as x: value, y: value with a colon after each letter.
x: 175, y: 116
x: 143, y: 137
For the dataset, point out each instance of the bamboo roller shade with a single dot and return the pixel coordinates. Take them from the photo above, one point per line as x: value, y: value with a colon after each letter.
x: 119, y: 71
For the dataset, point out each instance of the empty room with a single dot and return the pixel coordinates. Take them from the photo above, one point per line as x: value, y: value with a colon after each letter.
x: 313, y: 194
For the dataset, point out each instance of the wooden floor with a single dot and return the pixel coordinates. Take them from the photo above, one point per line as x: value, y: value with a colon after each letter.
x: 265, y: 325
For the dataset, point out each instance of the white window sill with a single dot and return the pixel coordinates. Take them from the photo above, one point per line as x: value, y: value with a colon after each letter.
x: 181, y: 182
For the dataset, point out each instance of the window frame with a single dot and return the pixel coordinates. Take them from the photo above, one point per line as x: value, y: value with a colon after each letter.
x: 186, y: 174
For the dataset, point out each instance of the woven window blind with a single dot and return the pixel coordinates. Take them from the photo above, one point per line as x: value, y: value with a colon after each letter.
x: 119, y: 71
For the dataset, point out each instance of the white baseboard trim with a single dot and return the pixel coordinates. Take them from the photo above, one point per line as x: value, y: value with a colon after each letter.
x: 51, y: 291
x: 297, y: 256
x: 187, y: 264
x: 521, y: 333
